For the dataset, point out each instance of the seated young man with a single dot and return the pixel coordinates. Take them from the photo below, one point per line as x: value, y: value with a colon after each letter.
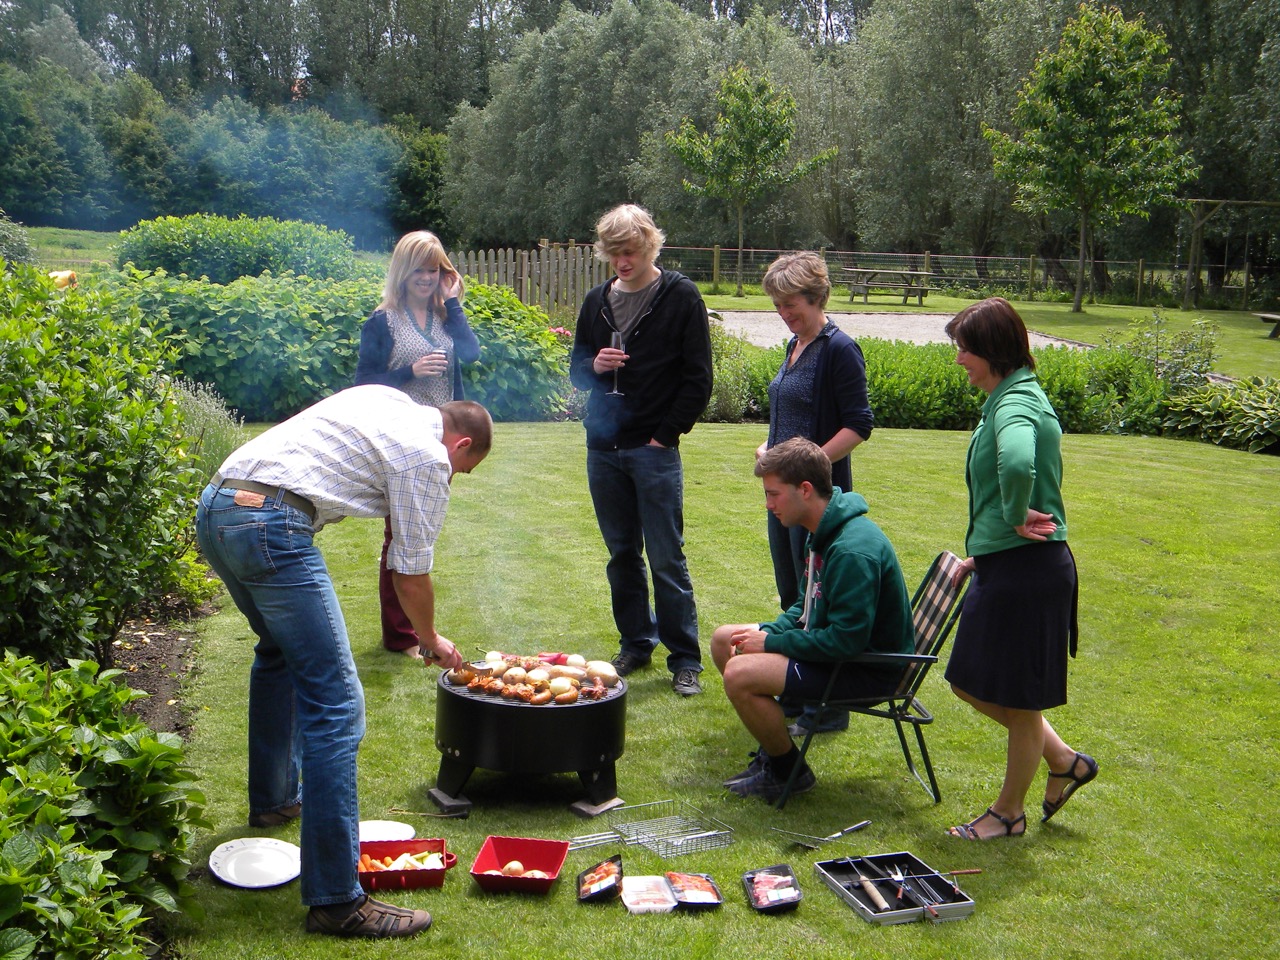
x: 854, y: 601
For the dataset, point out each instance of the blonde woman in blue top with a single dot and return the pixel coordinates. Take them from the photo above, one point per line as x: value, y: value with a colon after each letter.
x: 1018, y: 622
x: 416, y: 341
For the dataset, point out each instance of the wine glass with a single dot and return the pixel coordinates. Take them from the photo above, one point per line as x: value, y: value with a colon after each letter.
x: 615, y: 341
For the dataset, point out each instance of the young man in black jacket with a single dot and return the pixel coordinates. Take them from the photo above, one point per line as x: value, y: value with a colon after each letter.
x: 643, y: 350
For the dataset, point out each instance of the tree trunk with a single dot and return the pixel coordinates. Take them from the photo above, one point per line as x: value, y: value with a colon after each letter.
x: 1075, y: 305
x: 740, y: 291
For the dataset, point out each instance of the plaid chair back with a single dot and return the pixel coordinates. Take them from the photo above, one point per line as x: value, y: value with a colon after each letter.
x: 931, y: 612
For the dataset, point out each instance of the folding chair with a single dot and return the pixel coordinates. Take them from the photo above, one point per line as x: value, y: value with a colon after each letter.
x: 935, y: 608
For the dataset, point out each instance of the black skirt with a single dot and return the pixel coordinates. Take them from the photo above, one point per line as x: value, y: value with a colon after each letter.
x: 1016, y: 627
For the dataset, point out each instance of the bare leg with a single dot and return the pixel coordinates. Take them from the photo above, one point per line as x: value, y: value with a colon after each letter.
x: 1031, y: 738
x: 752, y: 684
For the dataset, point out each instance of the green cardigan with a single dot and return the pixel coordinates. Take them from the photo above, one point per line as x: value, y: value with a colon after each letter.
x: 1014, y: 462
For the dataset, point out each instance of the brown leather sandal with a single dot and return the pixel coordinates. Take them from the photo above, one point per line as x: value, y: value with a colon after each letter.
x: 968, y: 831
x: 367, y: 917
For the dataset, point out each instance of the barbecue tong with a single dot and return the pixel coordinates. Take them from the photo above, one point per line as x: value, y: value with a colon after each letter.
x: 811, y: 842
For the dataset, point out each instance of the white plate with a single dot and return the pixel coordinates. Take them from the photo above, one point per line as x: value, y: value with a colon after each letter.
x: 385, y: 830
x: 256, y: 862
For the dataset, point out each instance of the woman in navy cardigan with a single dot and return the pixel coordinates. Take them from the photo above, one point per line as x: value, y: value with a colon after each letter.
x: 820, y: 393
x: 416, y: 341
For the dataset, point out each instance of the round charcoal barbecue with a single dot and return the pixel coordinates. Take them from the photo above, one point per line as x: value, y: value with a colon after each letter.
x: 475, y: 729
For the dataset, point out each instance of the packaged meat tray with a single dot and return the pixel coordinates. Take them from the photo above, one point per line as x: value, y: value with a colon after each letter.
x: 772, y: 889
x: 694, y: 891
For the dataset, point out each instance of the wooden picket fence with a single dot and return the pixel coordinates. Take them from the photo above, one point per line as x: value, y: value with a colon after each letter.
x: 554, y: 276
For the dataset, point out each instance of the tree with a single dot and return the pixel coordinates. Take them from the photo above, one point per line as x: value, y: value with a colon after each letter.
x: 744, y: 156
x: 419, y: 180
x: 1096, y: 127
x: 551, y: 149
x: 926, y: 75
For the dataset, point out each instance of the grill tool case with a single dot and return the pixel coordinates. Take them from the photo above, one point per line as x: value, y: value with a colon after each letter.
x: 923, y: 887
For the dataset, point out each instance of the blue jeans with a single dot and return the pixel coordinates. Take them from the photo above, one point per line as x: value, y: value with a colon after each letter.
x: 306, y: 705
x: 786, y: 549
x: 639, y: 501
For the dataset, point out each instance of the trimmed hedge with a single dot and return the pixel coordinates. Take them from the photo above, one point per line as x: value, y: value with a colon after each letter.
x: 223, y: 250
x: 269, y: 345
x: 1123, y: 387
x: 273, y: 345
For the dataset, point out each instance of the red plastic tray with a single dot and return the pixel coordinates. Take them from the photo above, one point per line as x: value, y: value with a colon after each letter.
x: 404, y: 879
x: 545, y: 855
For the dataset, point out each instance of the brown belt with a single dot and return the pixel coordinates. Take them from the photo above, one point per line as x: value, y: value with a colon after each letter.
x: 276, y: 493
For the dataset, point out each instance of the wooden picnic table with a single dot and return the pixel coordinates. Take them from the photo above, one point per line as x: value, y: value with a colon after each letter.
x: 912, y: 283
x: 1271, y: 318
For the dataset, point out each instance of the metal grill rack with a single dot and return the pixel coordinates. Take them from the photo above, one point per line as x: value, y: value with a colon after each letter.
x: 666, y: 827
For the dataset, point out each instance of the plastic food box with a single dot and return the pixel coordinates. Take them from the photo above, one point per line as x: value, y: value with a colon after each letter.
x: 694, y: 891
x: 601, y: 882
x: 545, y: 855
x: 648, y: 895
x: 404, y: 879
x: 772, y: 889
x: 924, y: 888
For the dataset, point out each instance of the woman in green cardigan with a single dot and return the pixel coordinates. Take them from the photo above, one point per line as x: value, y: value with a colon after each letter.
x: 1018, y: 622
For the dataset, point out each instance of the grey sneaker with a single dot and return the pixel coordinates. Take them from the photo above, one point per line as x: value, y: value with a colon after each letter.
x: 799, y: 730
x: 767, y: 787
x: 758, y: 758
x: 628, y: 663
x: 685, y: 682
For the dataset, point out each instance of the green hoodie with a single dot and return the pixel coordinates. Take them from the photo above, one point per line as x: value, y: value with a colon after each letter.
x: 859, y: 599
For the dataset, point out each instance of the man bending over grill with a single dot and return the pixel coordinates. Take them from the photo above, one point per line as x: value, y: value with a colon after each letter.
x: 368, y: 451
x: 853, y: 600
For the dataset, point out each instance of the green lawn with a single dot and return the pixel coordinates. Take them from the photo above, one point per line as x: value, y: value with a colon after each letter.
x: 1171, y: 853
x: 56, y: 245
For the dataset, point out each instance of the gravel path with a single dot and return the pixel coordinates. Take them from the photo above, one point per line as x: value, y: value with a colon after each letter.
x: 768, y: 330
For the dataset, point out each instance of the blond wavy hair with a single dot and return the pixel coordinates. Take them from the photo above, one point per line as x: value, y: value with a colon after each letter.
x: 422, y: 248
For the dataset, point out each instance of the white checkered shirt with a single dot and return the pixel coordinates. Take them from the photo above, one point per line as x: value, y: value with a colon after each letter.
x: 367, y: 451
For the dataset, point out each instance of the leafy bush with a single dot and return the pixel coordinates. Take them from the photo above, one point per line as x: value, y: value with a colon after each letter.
x: 1182, y: 360
x: 210, y: 431
x: 274, y: 345
x: 919, y: 386
x: 731, y: 377
x: 94, y: 485
x: 762, y: 366
x: 223, y: 250
x: 1244, y: 414
x: 1064, y: 377
x: 98, y: 815
x: 269, y: 345
x: 1125, y: 394
x: 521, y: 373
x: 15, y: 246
